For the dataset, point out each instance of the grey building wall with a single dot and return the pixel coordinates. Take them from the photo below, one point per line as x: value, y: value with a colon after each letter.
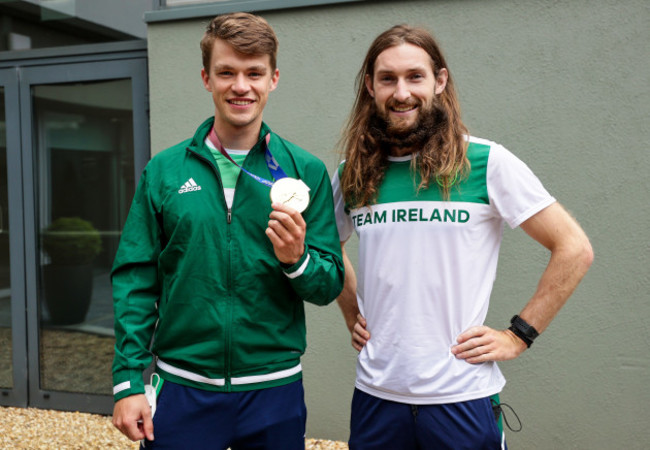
x: 565, y: 85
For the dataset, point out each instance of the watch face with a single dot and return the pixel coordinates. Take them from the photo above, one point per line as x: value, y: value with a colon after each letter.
x: 291, y: 192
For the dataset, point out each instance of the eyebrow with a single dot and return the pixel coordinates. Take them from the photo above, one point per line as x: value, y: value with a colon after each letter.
x: 258, y: 68
x: 409, y: 70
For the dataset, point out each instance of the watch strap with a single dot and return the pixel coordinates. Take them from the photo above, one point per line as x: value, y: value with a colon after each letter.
x: 523, y: 330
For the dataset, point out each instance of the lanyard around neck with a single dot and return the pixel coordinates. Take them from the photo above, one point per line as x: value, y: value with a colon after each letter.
x: 274, y: 167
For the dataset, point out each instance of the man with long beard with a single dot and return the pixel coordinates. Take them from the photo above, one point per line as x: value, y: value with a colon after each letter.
x: 429, y: 203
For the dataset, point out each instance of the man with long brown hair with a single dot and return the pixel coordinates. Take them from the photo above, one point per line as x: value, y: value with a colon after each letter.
x: 210, y: 277
x: 429, y: 202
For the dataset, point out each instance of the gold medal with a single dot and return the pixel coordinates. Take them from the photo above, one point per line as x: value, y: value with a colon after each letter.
x: 291, y: 192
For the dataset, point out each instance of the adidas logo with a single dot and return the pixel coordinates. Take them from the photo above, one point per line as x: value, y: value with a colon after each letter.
x: 189, y: 186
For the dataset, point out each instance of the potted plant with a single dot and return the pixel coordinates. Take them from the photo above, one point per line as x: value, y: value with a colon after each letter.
x: 72, y: 244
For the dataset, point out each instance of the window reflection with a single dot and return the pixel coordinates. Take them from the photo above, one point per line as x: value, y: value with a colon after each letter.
x: 84, y: 148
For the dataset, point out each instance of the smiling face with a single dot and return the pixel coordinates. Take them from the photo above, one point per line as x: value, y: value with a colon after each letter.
x: 404, y: 86
x: 240, y: 86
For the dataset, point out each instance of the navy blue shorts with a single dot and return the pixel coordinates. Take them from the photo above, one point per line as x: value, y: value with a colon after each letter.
x: 269, y: 418
x: 378, y: 424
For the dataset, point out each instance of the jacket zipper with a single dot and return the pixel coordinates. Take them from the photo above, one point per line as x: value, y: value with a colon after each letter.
x: 228, y: 324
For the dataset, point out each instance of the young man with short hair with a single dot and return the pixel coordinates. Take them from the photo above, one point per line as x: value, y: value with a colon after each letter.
x: 213, y: 275
x: 429, y: 203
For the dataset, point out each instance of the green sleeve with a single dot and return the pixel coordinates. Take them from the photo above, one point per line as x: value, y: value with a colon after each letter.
x: 136, y: 291
x: 318, y: 276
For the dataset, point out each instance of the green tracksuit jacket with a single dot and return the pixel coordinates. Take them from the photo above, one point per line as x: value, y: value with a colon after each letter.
x: 224, y: 313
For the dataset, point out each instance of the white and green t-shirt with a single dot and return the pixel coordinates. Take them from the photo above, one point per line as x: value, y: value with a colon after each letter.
x: 426, y: 269
x: 229, y: 172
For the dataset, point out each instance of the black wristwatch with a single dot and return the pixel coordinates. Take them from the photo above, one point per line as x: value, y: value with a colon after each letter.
x: 523, y: 330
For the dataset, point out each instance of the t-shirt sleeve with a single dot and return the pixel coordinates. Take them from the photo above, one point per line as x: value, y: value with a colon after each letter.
x: 343, y: 220
x: 514, y: 190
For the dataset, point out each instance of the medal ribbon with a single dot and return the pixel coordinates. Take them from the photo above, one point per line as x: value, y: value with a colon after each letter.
x: 274, y: 167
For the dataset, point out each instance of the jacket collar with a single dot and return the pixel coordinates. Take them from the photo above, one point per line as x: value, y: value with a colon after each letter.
x: 197, y: 143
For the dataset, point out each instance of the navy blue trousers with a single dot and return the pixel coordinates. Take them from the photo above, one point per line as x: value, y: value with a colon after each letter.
x: 378, y: 424
x: 189, y: 418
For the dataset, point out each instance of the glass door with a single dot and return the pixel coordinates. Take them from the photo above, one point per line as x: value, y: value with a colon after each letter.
x: 81, y: 139
x: 83, y: 152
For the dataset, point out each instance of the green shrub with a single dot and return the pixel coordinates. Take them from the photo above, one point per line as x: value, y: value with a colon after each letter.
x: 71, y: 241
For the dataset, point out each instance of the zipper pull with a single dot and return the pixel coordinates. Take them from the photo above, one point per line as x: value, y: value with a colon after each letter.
x: 229, y: 216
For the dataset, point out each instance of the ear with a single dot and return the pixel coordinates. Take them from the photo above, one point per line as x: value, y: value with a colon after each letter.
x: 441, y: 81
x: 368, y: 80
x: 206, y: 80
x: 274, y: 80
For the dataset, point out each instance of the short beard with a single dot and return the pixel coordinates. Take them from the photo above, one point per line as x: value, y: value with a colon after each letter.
x: 430, y: 122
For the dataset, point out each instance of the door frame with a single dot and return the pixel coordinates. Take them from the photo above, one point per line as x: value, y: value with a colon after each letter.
x: 84, y: 63
x: 17, y: 394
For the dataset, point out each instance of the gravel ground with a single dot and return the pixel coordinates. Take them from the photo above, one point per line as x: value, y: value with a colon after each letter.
x: 31, y: 429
